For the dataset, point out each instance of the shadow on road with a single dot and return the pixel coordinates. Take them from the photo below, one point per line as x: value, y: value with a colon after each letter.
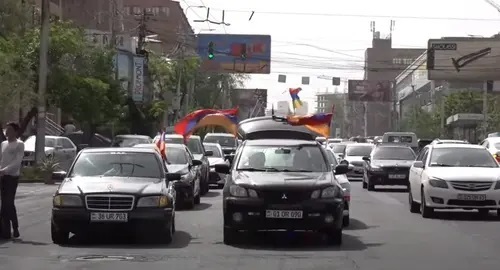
x: 392, y: 190
x: 201, y: 206
x: 24, y: 242
x: 212, y: 194
x: 300, y: 241
x: 466, y: 216
x: 181, y: 239
x: 356, y: 225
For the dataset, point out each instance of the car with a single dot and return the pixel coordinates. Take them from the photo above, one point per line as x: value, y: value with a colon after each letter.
x: 216, y: 158
x: 62, y: 149
x: 339, y: 148
x: 454, y: 176
x: 228, y: 142
x: 108, y: 189
x: 493, y: 146
x: 334, y: 140
x: 321, y: 139
x: 196, y: 147
x: 354, y: 153
x: 388, y: 165
x: 440, y: 141
x: 129, y: 140
x: 344, y: 183
x: 281, y: 179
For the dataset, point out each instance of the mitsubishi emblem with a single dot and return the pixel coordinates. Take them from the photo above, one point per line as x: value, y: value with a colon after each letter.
x: 471, y: 186
x: 284, y: 197
x: 110, y: 188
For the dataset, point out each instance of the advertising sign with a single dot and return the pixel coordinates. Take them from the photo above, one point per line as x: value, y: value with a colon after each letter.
x: 370, y: 91
x: 138, y: 79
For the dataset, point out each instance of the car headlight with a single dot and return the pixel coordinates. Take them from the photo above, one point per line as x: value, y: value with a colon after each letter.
x: 237, y: 191
x: 497, y: 185
x: 67, y: 201
x: 329, y: 192
x: 438, y: 183
x: 376, y: 169
x: 153, y: 201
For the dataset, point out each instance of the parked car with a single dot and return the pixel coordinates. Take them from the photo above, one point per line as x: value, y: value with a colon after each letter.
x: 216, y: 158
x: 62, y: 149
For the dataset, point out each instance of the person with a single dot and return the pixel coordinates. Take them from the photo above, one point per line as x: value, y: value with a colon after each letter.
x: 374, y: 94
x: 11, y: 157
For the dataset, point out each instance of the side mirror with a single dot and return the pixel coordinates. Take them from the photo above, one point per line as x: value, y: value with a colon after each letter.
x: 197, y: 162
x: 418, y: 164
x: 209, y: 153
x: 222, y: 168
x: 173, y: 177
x: 366, y: 158
x: 341, y: 169
x: 344, y: 162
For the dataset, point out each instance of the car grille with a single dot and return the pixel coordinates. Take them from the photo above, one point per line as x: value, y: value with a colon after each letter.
x: 276, y: 197
x: 110, y: 202
x: 396, y: 170
x: 471, y: 186
x: 358, y: 163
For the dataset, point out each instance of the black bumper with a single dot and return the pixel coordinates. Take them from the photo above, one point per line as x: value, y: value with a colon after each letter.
x: 383, y: 179
x: 183, y: 191
x: 253, y: 213
x: 78, y: 220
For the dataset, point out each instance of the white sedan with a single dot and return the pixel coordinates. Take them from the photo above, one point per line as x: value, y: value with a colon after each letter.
x: 344, y: 182
x: 454, y: 176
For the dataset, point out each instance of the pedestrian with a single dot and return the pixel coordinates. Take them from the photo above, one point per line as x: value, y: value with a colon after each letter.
x: 11, y: 157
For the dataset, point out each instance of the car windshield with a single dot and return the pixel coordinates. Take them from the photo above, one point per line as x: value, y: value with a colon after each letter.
x: 30, y: 142
x: 358, y: 150
x: 129, y: 141
x: 296, y: 158
x: 176, y: 155
x: 117, y: 164
x: 224, y: 141
x: 393, y: 153
x: 339, y: 148
x: 174, y: 140
x: 331, y: 158
x: 214, y: 149
x: 194, y: 145
x: 462, y: 157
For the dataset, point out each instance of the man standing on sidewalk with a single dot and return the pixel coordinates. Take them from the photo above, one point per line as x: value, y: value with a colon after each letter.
x: 11, y: 157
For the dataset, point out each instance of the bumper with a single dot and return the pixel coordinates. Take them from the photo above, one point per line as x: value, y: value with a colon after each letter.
x: 78, y: 220
x: 317, y: 215
x: 383, y: 179
x: 183, y: 191
x: 216, y: 178
x: 356, y: 174
x: 449, y: 199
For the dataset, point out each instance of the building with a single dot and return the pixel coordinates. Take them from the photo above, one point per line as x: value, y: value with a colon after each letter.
x: 303, y: 110
x: 382, y: 63
x: 283, y: 108
x: 251, y: 102
x: 91, y: 14
x: 325, y: 102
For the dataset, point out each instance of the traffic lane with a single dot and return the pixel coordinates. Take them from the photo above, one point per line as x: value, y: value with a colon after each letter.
x: 466, y: 221
x: 382, y: 235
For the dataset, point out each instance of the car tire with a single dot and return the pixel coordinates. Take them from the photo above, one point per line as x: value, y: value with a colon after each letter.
x: 173, y: 225
x: 425, y: 211
x: 197, y: 199
x: 365, y: 185
x: 190, y: 204
x: 414, y: 206
x: 346, y: 220
x: 230, y: 236
x: 371, y: 187
x: 334, y: 237
x: 220, y: 186
x: 167, y: 233
x: 59, y: 237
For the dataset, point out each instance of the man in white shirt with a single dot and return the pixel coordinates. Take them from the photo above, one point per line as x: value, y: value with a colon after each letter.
x: 11, y: 157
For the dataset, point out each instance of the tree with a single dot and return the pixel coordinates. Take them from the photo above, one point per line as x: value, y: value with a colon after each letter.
x: 426, y: 124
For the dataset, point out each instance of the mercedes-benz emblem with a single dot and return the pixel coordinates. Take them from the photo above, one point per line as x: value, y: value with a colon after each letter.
x: 284, y: 197
x: 110, y: 188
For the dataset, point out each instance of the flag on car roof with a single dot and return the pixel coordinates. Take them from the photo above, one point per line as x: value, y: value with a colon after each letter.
x: 187, y: 125
x: 294, y: 94
x: 160, y: 144
x: 319, y: 123
x: 228, y: 122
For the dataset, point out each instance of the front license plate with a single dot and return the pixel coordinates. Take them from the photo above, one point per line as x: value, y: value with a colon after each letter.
x: 397, y: 176
x: 292, y: 214
x: 108, y: 217
x: 472, y: 197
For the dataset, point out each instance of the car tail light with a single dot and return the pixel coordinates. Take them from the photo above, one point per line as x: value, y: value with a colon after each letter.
x: 497, y: 157
x: 347, y: 198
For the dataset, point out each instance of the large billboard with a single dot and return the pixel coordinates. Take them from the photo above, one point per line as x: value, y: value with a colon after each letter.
x: 370, y: 91
x: 251, y: 102
x: 223, y: 53
x: 474, y: 59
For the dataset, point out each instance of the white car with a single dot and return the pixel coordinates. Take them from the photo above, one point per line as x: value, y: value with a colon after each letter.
x: 60, y: 148
x: 344, y: 183
x: 454, y: 176
x: 217, y: 157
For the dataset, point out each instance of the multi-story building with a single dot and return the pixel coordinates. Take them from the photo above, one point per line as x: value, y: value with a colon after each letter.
x: 92, y: 14
x: 282, y: 108
x: 325, y: 102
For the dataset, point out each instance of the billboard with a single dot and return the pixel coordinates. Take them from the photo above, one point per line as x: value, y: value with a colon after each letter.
x: 235, y: 53
x: 370, y: 91
x: 474, y: 59
x: 138, y: 79
x: 251, y: 102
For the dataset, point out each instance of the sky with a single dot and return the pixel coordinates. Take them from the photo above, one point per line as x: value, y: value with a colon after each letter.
x: 328, y: 38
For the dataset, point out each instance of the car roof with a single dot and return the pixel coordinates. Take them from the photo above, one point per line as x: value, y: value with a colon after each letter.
x: 144, y: 145
x: 280, y: 142
x: 220, y: 134
x: 493, y: 139
x: 272, y: 127
x: 458, y: 145
x: 120, y: 149
x: 173, y: 135
x: 132, y: 136
x: 392, y: 145
x: 361, y: 144
x: 208, y: 143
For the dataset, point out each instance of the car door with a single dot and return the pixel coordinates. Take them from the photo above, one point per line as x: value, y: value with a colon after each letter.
x: 415, y: 173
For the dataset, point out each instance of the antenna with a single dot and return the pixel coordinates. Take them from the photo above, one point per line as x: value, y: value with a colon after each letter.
x: 393, y: 23
x: 372, y: 28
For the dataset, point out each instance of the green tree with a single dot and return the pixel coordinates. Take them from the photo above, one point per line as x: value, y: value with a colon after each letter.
x: 424, y: 123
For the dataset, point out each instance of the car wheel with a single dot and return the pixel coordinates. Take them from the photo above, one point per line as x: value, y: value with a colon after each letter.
x: 190, y: 203
x: 173, y: 225
x: 414, y: 206
x: 334, y: 237
x: 365, y: 185
x: 346, y: 220
x: 425, y: 211
x: 167, y: 233
x: 371, y: 187
x: 220, y: 186
x: 197, y: 199
x: 59, y: 237
x: 230, y: 236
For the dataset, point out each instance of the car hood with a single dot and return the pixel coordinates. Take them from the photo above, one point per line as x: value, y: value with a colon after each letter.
x: 216, y: 160
x: 271, y: 180
x: 178, y: 168
x: 392, y: 163
x: 464, y: 173
x: 130, y: 185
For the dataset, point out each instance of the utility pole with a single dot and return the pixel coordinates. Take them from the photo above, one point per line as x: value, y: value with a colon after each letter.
x: 42, y: 83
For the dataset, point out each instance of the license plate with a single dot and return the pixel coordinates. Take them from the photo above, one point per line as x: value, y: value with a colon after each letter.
x: 397, y: 176
x: 109, y: 217
x: 472, y: 197
x: 292, y: 214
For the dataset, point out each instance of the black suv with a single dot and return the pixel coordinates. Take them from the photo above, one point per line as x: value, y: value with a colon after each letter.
x: 281, y: 180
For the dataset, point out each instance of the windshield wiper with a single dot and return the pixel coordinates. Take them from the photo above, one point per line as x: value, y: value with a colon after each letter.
x: 442, y: 165
x: 252, y: 170
x: 286, y: 170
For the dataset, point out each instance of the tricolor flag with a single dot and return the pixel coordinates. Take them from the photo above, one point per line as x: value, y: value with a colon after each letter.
x: 294, y: 94
x: 198, y: 119
x: 319, y: 123
x: 160, y: 144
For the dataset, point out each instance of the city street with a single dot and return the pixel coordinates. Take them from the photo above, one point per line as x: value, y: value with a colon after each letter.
x: 383, y: 235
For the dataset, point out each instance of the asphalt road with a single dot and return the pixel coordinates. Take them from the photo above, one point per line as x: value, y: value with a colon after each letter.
x: 383, y: 235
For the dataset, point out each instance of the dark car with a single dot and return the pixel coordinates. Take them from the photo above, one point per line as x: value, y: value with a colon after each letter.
x: 388, y: 165
x: 181, y: 161
x: 281, y: 180
x: 97, y: 140
x: 129, y: 140
x: 113, y: 189
x: 228, y: 142
x: 196, y: 147
x: 354, y: 153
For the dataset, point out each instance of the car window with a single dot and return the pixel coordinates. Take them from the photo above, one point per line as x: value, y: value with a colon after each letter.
x: 195, y: 146
x: 66, y: 143
x: 308, y: 158
x: 358, y: 150
x: 128, y: 141
x: 174, y: 140
x: 216, y: 151
x: 224, y: 141
x: 496, y: 145
x: 331, y: 158
x: 393, y: 153
x: 339, y: 148
x: 176, y: 155
x: 117, y: 164
x: 462, y: 157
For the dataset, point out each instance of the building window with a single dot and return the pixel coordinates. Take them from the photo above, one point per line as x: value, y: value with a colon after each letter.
x: 397, y: 61
x: 165, y: 11
x: 408, y: 61
x: 155, y: 11
x: 137, y: 10
x: 126, y: 11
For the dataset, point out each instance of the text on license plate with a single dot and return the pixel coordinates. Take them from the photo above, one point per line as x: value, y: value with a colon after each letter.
x: 292, y: 214
x: 472, y: 197
x: 397, y: 176
x: 108, y: 217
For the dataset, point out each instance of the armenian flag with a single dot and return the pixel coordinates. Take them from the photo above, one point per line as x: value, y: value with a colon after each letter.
x: 160, y: 144
x: 319, y: 123
x: 294, y: 94
x: 187, y: 125
x: 228, y: 122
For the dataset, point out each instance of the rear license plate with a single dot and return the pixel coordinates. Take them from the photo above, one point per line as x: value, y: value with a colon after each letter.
x: 291, y: 214
x: 397, y: 176
x: 108, y: 217
x: 472, y: 197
